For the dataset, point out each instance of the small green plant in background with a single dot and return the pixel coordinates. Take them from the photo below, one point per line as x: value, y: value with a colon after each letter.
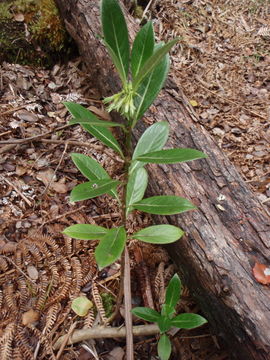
x: 142, y: 71
x: 167, y: 318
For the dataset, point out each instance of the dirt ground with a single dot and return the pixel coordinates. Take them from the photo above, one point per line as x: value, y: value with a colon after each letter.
x: 222, y: 63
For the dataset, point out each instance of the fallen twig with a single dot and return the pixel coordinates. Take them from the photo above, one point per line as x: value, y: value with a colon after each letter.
x: 99, y: 332
x: 33, y: 138
x: 86, y: 144
x: 128, y: 307
x: 17, y: 267
x: 62, y: 215
x: 56, y: 169
x: 65, y: 340
x: 28, y: 202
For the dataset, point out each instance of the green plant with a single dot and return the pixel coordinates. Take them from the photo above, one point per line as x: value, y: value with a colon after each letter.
x: 149, y: 65
x: 142, y: 72
x: 167, y: 318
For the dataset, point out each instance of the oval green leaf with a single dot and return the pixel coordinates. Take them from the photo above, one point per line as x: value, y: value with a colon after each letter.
x: 153, y: 139
x: 110, y: 247
x: 164, y: 205
x: 91, y: 169
x: 173, y: 292
x: 146, y: 314
x: 188, y: 321
x: 91, y: 189
x: 150, y: 88
x: 159, y: 234
x: 164, y: 347
x: 101, y: 133
x: 85, y: 232
x: 152, y: 62
x: 171, y: 156
x: 116, y: 35
x: 136, y: 186
x: 143, y: 47
x: 81, y: 305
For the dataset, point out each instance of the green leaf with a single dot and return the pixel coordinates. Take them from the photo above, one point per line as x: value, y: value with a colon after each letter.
x: 167, y: 311
x: 105, y: 136
x: 164, y: 347
x: 188, y: 321
x: 116, y: 35
x: 101, y: 133
x: 150, y: 88
x: 81, y: 305
x: 164, y: 323
x: 91, y: 169
x: 152, y: 62
x: 171, y: 156
x: 146, y: 314
x: 110, y: 247
x: 164, y: 205
x: 136, y: 186
x: 173, y: 292
x: 85, y: 232
x: 96, y: 122
x: 159, y: 234
x: 143, y: 47
x: 91, y: 189
x: 154, y: 138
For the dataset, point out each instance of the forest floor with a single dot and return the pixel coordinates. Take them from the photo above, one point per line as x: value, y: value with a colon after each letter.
x: 222, y: 62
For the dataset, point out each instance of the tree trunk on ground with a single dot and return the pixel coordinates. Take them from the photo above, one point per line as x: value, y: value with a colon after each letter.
x: 228, y: 233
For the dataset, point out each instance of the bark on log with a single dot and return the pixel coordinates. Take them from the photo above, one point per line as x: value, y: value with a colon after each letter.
x: 228, y: 233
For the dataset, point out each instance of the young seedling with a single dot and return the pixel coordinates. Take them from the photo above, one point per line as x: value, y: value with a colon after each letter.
x: 142, y: 71
x: 167, y: 319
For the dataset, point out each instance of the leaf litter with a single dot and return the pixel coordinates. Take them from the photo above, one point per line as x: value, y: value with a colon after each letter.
x: 223, y: 59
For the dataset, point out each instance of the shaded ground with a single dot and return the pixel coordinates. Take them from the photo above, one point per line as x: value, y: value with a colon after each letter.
x: 222, y: 62
x: 42, y: 271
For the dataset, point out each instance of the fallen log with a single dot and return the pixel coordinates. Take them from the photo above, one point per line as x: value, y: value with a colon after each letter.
x: 228, y: 233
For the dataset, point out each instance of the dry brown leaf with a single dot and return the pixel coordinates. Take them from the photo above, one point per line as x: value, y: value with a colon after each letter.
x: 19, y: 17
x: 117, y: 353
x: 32, y: 272
x: 45, y: 176
x: 29, y: 317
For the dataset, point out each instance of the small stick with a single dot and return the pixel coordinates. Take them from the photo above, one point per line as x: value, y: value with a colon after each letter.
x: 17, y: 267
x: 17, y: 190
x: 5, y: 133
x: 128, y: 307
x: 65, y: 340
x: 10, y: 111
x: 55, y: 171
x: 62, y: 215
x: 146, y: 9
x: 33, y: 138
x: 99, y: 332
x: 86, y: 144
x: 113, y: 277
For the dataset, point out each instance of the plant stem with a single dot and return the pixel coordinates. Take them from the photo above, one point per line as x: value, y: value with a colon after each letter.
x: 126, y: 270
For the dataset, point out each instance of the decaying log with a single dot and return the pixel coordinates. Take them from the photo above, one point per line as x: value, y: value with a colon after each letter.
x: 228, y: 233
